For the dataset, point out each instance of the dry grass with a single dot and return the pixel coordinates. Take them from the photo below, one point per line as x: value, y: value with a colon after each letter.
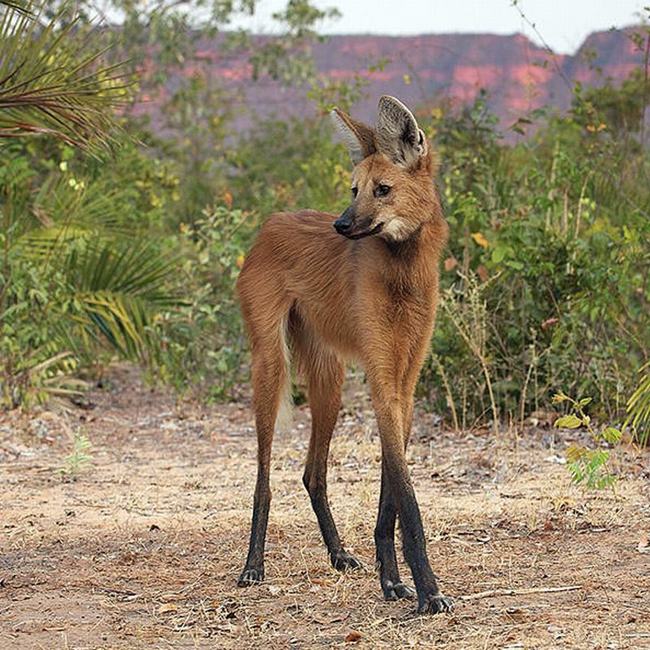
x: 143, y: 549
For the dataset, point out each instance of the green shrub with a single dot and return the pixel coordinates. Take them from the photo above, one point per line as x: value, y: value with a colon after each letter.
x: 79, y: 282
x: 545, y: 274
x: 202, y: 342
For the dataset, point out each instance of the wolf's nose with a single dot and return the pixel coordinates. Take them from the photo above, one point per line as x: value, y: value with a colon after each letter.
x: 342, y: 226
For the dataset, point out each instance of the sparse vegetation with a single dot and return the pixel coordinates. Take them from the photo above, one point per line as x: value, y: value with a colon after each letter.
x: 145, y: 548
x: 590, y: 467
x: 134, y: 255
x: 79, y: 458
x: 120, y: 242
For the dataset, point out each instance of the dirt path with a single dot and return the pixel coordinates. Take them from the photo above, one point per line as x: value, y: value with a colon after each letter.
x: 142, y: 550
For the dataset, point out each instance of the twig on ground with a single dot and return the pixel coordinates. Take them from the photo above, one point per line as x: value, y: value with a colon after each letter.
x: 518, y: 592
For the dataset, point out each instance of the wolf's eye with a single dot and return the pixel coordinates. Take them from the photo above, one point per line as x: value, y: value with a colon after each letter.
x: 382, y: 190
x: 355, y: 191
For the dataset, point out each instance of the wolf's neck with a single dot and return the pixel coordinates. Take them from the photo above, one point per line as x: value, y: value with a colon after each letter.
x: 405, y: 250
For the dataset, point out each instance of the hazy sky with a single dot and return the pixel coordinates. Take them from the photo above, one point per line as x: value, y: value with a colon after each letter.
x: 563, y: 23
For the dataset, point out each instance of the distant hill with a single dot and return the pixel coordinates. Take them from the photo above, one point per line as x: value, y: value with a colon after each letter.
x: 421, y: 70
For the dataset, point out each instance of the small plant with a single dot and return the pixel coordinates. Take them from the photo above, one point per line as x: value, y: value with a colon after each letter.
x: 587, y: 466
x: 79, y: 458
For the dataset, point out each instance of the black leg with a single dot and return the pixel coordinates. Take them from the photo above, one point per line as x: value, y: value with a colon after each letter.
x: 391, y: 584
x: 268, y: 378
x: 253, y: 572
x: 339, y: 557
x: 389, y: 419
x: 430, y: 600
x: 325, y: 401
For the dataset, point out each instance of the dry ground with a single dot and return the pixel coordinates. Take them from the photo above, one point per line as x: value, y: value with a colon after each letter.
x: 142, y: 550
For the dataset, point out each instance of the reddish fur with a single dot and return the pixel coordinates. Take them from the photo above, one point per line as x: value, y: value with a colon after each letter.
x: 340, y: 287
x: 372, y: 300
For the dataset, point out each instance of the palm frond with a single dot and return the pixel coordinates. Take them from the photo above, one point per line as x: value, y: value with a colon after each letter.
x: 638, y: 406
x: 67, y: 210
x: 51, y: 81
x: 118, y: 290
x: 134, y: 268
x: 42, y: 374
x: 16, y: 6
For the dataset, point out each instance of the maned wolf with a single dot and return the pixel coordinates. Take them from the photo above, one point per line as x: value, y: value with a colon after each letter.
x: 364, y: 286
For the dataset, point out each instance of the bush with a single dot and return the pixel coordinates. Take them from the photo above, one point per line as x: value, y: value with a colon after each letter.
x: 79, y: 281
x: 544, y: 285
x: 544, y: 281
x: 203, y: 342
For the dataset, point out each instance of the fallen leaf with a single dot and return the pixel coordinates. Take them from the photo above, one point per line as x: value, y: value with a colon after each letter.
x: 353, y: 637
x: 321, y: 582
x: 451, y: 263
x: 479, y: 238
x: 549, y: 322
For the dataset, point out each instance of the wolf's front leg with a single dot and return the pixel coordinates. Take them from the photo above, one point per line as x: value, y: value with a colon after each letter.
x: 389, y: 420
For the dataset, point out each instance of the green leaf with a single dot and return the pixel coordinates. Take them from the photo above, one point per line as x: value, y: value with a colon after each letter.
x: 498, y: 254
x: 611, y: 435
x: 638, y: 407
x: 574, y: 453
x: 569, y: 421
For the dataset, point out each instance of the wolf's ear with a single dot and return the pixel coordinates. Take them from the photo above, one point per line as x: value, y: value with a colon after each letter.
x: 397, y: 134
x: 359, y: 138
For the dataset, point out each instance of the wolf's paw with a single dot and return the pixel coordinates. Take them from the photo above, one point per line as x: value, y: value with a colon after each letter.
x: 250, y: 576
x: 344, y: 561
x: 397, y: 591
x: 434, y: 604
